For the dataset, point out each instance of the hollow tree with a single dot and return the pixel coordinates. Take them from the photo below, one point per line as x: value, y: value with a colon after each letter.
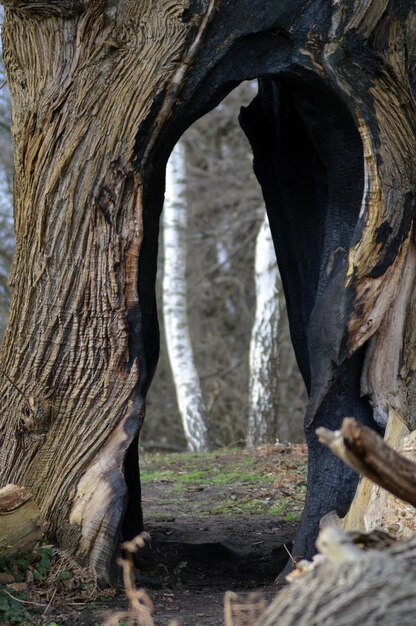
x: 102, y: 91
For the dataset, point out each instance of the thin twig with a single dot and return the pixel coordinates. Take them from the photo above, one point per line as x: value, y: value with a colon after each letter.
x: 12, y: 383
x: 50, y: 602
x: 22, y: 601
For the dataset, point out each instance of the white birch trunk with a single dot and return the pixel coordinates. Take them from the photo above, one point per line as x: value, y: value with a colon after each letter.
x: 263, y: 386
x: 185, y: 376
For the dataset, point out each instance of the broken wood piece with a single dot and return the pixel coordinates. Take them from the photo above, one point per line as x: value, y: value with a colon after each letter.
x: 21, y: 526
x: 337, y: 546
x: 377, y: 585
x: 365, y: 451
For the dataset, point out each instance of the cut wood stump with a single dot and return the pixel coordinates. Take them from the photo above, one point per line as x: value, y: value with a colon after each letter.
x: 21, y: 525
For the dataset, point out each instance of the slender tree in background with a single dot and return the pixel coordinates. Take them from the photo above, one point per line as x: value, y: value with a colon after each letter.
x: 6, y: 246
x: 264, y: 350
x: 223, y: 200
x: 188, y: 388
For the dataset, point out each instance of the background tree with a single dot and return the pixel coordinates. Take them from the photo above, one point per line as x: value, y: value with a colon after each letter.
x: 223, y: 221
x: 264, y: 381
x: 188, y: 389
x: 6, y: 183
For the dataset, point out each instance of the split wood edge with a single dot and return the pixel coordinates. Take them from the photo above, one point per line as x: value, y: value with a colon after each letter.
x: 365, y: 452
x: 21, y: 526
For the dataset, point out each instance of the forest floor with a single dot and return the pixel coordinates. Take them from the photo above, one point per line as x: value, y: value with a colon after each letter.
x: 218, y: 521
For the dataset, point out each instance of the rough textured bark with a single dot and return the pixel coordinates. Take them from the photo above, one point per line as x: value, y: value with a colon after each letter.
x: 264, y: 343
x: 83, y: 78
x: 101, y: 93
x: 188, y: 388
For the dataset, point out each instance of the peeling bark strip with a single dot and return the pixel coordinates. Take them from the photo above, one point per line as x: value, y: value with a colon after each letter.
x: 101, y: 92
x: 21, y: 526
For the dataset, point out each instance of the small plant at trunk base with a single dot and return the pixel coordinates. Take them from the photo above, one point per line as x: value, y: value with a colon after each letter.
x: 12, y: 607
x: 31, y: 581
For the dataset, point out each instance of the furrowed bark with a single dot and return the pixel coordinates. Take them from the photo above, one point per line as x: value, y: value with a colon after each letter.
x: 81, y: 87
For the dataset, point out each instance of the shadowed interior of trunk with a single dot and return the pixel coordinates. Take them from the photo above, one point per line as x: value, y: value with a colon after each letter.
x: 308, y: 158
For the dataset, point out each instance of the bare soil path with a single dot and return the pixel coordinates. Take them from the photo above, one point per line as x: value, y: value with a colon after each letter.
x: 217, y: 522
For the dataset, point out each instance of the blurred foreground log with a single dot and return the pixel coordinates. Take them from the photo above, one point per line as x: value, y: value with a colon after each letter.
x: 20, y: 521
x: 351, y: 587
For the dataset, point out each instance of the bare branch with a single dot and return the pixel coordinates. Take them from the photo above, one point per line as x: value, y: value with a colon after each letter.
x: 365, y: 451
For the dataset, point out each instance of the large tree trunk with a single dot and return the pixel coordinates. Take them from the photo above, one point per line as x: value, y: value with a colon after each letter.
x: 101, y: 93
x: 84, y: 77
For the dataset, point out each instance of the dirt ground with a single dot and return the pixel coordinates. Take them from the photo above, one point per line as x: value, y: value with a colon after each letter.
x: 219, y: 521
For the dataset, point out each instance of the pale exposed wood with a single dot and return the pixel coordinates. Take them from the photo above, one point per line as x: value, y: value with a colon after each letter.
x: 335, y: 545
x: 384, y: 370
x: 373, y: 506
x: 364, y: 450
x: 20, y: 520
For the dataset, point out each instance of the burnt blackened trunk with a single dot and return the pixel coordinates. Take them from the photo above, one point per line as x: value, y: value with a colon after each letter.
x: 308, y: 158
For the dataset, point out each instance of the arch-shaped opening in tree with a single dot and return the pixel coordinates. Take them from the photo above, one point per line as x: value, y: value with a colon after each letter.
x: 308, y: 158
x: 223, y: 207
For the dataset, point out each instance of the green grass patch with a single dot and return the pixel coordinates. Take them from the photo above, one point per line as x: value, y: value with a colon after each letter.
x: 230, y: 482
x: 213, y: 476
x: 281, y: 507
x: 291, y: 517
x: 235, y: 507
x: 193, y: 476
x: 150, y: 476
x: 237, y: 476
